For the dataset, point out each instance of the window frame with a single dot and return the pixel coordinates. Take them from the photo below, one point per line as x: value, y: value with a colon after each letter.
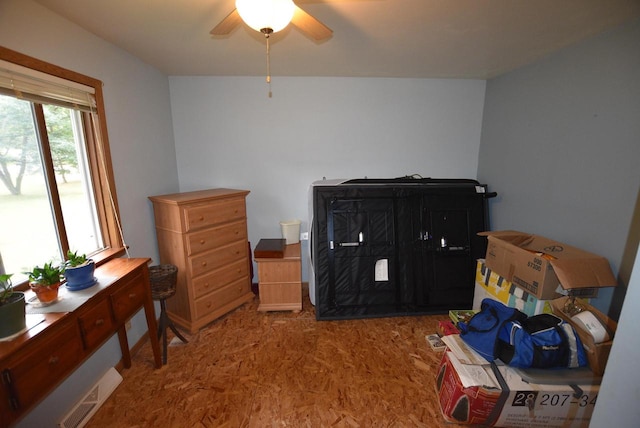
x: 98, y: 153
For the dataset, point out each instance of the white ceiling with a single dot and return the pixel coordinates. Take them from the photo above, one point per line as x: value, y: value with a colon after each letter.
x: 384, y: 38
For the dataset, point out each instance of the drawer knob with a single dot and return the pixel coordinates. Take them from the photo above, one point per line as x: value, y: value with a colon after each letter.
x: 132, y: 295
x: 206, y: 285
x: 201, y: 218
x: 100, y: 321
x: 202, y: 242
x: 54, y: 359
x: 204, y: 264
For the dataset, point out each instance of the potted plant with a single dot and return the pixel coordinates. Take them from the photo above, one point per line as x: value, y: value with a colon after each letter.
x: 45, y: 281
x: 12, y: 313
x: 78, y: 270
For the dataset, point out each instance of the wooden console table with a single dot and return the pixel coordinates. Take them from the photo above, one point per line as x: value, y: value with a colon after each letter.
x: 279, y: 281
x: 34, y: 363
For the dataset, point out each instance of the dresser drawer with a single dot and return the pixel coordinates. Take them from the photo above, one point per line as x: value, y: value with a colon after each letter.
x: 221, y: 297
x: 209, y: 214
x: 219, y: 258
x: 209, y: 239
x: 128, y: 299
x: 96, y: 324
x: 219, y: 278
x: 44, y: 365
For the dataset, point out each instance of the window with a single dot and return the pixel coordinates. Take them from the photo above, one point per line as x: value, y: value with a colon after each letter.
x: 56, y: 180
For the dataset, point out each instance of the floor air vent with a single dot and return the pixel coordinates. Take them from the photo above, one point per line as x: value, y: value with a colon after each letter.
x: 90, y: 403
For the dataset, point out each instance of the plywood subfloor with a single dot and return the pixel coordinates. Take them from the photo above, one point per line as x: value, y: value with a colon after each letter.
x: 280, y: 369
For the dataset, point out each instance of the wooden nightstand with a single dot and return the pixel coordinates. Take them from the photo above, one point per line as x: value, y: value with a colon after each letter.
x: 280, y: 281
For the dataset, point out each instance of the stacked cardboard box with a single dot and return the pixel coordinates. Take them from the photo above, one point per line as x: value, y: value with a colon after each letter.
x: 528, y: 272
x: 491, y: 285
x: 547, y: 270
x: 597, y: 353
x: 475, y: 394
x: 544, y: 267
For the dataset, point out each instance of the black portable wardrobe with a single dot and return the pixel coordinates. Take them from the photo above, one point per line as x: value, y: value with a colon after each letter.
x: 390, y: 247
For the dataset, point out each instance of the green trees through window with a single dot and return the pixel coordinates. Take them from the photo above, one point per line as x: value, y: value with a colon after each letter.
x: 57, y: 189
x: 41, y: 168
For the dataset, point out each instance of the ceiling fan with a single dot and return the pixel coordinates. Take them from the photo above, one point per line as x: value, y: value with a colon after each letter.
x: 257, y: 14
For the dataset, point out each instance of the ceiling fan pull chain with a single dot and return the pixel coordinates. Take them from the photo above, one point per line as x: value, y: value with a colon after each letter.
x: 268, y: 65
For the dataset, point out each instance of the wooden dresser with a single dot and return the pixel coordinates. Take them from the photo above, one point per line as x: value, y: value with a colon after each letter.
x: 204, y: 234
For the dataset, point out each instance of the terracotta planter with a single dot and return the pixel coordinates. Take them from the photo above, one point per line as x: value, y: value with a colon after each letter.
x: 45, y: 293
x: 12, y: 315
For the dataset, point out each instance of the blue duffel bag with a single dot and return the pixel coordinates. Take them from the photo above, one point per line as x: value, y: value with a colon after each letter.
x: 481, y: 331
x: 539, y: 341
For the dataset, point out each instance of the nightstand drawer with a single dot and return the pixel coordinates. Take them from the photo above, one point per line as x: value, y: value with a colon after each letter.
x: 279, y: 271
x: 219, y: 278
x: 221, y: 297
x: 278, y: 293
x: 213, y: 213
x: 209, y: 239
x: 96, y: 324
x: 219, y: 258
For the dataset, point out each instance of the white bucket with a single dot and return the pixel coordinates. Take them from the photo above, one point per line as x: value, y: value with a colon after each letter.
x: 290, y: 231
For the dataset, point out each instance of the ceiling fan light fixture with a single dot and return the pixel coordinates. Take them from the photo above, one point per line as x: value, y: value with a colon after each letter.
x: 266, y: 14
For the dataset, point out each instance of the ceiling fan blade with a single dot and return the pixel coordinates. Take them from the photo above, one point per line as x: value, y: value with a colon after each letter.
x: 310, y: 25
x: 227, y: 24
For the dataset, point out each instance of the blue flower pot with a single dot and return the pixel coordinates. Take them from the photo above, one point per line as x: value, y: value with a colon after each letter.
x: 80, y: 277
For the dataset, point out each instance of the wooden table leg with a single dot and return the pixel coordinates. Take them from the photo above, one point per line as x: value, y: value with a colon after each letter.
x: 152, y: 326
x: 124, y: 347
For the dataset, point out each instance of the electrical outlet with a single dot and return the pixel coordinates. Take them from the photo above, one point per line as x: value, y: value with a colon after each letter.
x: 304, y: 236
x: 127, y: 325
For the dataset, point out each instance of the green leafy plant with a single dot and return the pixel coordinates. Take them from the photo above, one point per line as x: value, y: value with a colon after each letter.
x: 6, y: 287
x: 74, y: 259
x: 46, y: 275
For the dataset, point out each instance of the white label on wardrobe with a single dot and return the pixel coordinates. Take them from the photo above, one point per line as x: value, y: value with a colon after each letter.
x: 382, y: 270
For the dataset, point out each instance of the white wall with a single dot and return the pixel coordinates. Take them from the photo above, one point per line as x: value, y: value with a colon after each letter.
x: 560, y: 144
x: 617, y: 404
x: 136, y: 101
x: 229, y: 133
x: 141, y: 138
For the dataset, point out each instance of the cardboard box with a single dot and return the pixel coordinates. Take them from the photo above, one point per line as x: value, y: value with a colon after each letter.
x: 471, y: 394
x: 493, y: 286
x: 597, y: 353
x: 540, y: 265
